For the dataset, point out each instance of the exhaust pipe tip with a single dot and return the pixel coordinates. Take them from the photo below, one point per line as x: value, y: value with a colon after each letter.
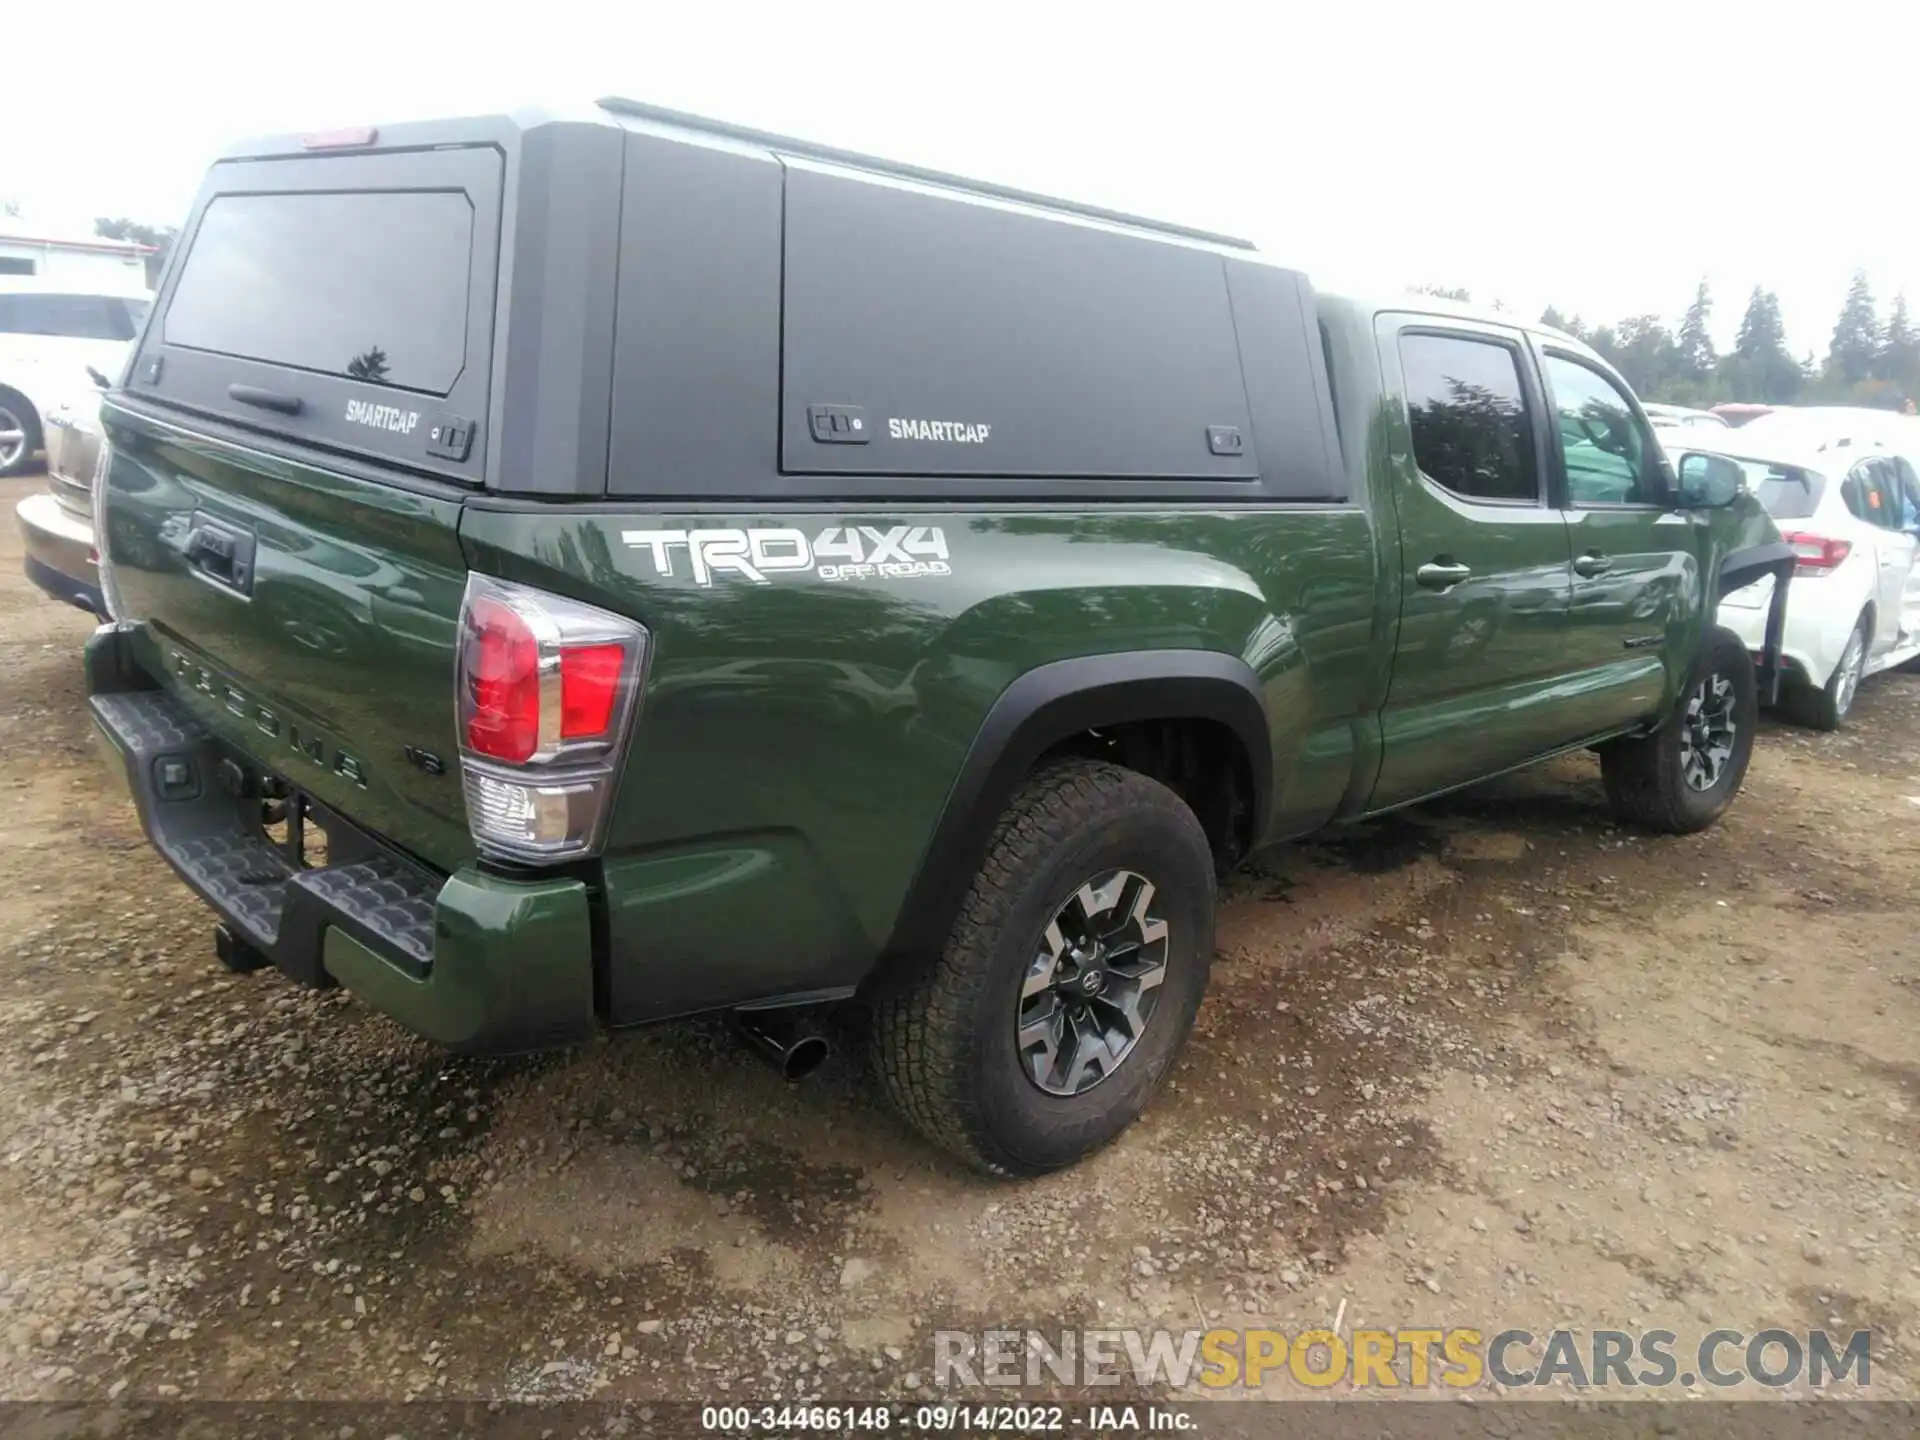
x: 786, y: 1042
x: 806, y: 1055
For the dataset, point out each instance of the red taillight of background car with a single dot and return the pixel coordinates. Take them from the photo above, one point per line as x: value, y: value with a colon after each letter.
x: 1816, y: 554
x: 544, y: 692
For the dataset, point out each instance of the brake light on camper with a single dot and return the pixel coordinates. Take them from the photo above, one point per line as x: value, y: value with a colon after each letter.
x: 352, y: 137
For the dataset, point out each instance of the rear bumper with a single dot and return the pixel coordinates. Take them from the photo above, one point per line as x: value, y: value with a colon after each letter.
x: 59, y: 552
x: 474, y: 961
x: 1815, y: 634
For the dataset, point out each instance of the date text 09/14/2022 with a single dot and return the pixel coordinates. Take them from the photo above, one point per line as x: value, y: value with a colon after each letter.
x: 957, y: 1419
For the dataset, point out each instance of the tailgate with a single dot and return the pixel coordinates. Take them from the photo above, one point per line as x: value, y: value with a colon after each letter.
x: 330, y: 660
x: 302, y: 418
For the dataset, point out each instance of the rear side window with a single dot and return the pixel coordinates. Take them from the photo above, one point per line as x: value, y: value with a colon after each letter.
x: 1471, y: 432
x: 370, y: 287
x: 73, y: 317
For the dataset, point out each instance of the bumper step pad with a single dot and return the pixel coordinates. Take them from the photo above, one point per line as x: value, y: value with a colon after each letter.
x: 212, y: 837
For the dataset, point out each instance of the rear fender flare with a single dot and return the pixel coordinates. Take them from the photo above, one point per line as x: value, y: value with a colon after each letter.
x: 1045, y: 706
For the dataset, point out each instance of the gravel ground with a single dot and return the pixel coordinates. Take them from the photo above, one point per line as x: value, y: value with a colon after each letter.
x: 1495, y: 1062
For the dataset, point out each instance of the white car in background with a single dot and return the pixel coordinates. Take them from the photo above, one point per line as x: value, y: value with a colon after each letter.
x: 1679, y: 417
x: 1851, y: 512
x: 51, y: 335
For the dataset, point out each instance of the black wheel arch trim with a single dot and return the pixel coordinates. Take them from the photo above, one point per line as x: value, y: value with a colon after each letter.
x: 1045, y: 706
x: 1740, y: 568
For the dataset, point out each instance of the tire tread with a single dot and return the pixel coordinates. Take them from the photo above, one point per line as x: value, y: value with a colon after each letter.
x: 1642, y: 776
x: 919, y: 1031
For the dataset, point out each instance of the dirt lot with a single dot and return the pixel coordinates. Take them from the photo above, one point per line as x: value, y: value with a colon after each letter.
x: 1494, y: 1063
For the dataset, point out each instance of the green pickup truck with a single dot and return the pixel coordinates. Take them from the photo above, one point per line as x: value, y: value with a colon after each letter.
x: 578, y: 570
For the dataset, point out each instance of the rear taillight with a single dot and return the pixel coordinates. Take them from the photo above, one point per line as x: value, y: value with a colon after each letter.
x: 109, y: 592
x: 545, y: 689
x: 1816, y: 554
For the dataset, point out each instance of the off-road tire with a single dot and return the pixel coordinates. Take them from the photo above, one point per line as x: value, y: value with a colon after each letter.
x: 1826, y: 707
x: 16, y: 404
x: 943, y: 1036
x: 1645, y: 780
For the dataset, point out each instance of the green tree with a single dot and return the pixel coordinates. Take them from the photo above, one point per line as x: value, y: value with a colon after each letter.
x: 1645, y: 355
x: 161, y: 237
x: 1695, y: 343
x: 1855, y: 350
x: 1554, y: 320
x: 1761, y: 332
x: 1760, y: 367
x: 1899, y: 360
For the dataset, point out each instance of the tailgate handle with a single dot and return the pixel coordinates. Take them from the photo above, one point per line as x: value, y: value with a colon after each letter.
x: 266, y: 399
x: 222, y: 553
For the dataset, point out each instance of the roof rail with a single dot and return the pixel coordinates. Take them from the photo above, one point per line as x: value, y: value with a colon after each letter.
x: 618, y: 105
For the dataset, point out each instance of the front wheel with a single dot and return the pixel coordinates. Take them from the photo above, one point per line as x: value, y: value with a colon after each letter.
x: 1070, y: 979
x: 1682, y: 777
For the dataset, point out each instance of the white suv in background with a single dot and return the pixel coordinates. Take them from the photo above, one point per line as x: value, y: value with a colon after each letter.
x: 1851, y: 512
x: 51, y: 335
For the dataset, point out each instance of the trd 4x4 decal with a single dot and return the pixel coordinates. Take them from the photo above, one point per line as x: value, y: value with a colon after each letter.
x: 840, y: 552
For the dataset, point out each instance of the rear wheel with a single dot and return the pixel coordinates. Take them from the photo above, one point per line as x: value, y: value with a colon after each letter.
x: 1682, y: 777
x: 1070, y: 979
x: 1826, y: 708
x: 19, y: 433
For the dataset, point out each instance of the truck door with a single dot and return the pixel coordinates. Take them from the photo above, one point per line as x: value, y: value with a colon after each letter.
x: 1484, y: 560
x: 1636, y: 582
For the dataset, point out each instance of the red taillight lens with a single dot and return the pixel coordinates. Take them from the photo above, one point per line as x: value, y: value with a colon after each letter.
x: 1816, y: 554
x: 501, y: 664
x: 543, y: 694
x: 589, y: 689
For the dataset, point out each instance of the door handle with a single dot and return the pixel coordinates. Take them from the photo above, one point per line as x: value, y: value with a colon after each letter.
x: 1442, y: 574
x: 222, y: 553
x: 1590, y: 565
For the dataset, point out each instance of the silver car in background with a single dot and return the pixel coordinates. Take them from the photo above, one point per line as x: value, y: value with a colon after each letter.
x: 57, y: 523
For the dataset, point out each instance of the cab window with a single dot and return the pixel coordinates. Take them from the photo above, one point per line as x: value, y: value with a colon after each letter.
x: 1609, y: 457
x: 1468, y: 413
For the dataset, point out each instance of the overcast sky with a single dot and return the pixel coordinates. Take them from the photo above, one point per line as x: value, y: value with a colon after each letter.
x: 1598, y: 156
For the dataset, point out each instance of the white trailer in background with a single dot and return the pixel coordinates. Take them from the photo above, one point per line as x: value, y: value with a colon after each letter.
x: 89, y: 264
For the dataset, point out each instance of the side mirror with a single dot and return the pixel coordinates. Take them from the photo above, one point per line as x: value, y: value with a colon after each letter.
x: 1708, y: 482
